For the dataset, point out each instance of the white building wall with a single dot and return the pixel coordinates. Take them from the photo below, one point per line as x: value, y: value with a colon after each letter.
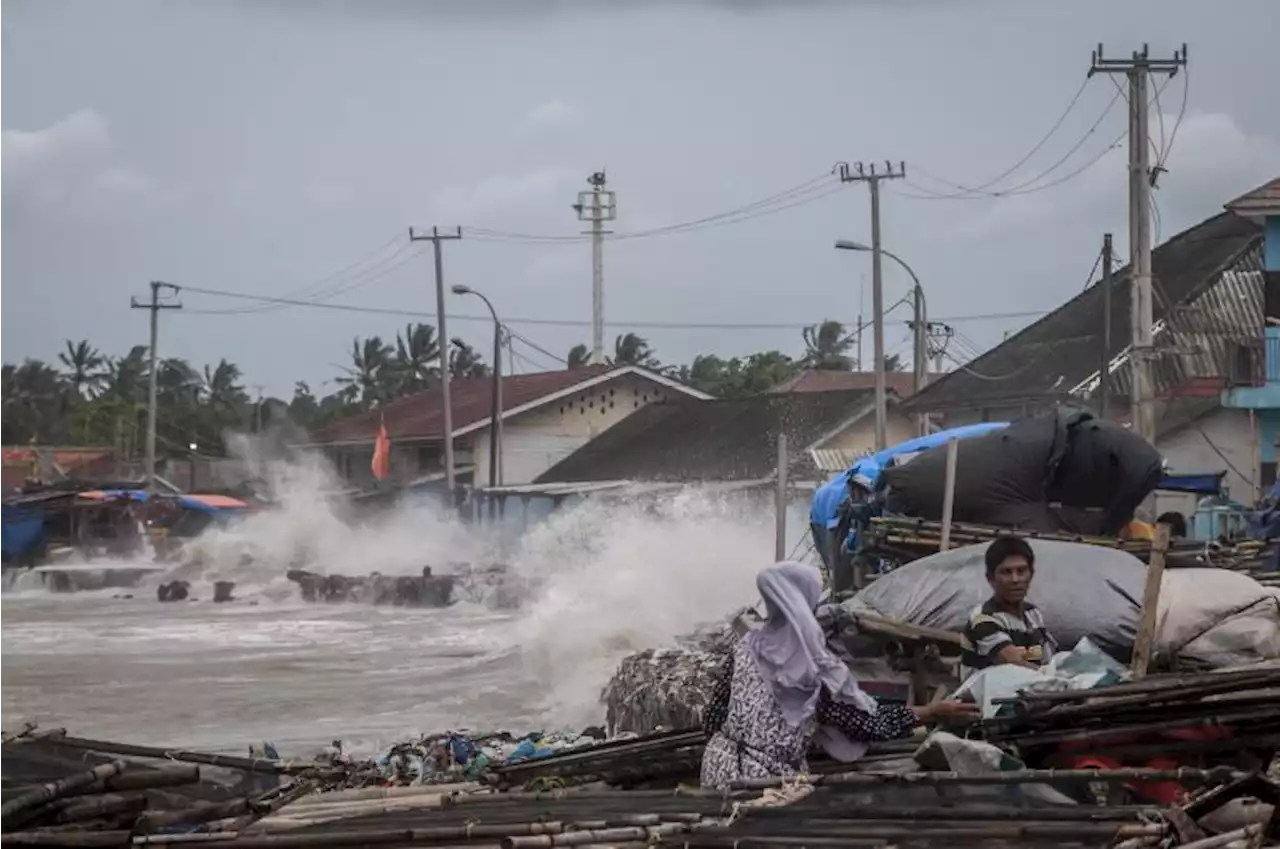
x: 537, y: 440
x: 1220, y: 441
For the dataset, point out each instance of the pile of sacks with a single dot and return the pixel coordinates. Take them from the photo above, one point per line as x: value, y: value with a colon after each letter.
x: 669, y: 688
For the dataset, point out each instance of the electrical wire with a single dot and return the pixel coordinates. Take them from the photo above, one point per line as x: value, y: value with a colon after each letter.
x: 536, y: 347
x: 318, y: 289
x: 566, y: 322
x: 804, y: 193
x: 1026, y: 186
x: 991, y: 377
x: 1026, y: 157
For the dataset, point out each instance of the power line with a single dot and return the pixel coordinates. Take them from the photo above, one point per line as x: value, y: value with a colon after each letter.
x: 568, y: 322
x: 800, y: 195
x: 1026, y: 186
x: 341, y: 288
x: 1026, y: 157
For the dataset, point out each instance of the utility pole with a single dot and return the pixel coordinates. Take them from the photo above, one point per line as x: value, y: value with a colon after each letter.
x: 1104, y: 372
x: 155, y: 306
x: 939, y: 336
x: 1138, y: 68
x: 869, y: 175
x: 436, y: 237
x: 597, y: 206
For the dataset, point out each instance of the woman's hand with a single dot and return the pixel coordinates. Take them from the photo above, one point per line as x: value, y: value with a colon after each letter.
x: 948, y: 713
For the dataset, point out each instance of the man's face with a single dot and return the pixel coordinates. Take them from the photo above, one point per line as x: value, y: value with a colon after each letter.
x: 1012, y: 579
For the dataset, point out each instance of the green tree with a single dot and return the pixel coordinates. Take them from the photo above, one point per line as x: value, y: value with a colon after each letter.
x: 632, y: 350
x: 417, y: 358
x: 85, y: 369
x: 826, y: 347
x: 465, y: 362
x: 370, y: 377
x: 578, y: 357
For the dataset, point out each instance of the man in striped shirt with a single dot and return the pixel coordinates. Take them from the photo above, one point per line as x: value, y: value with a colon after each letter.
x: 1007, y: 628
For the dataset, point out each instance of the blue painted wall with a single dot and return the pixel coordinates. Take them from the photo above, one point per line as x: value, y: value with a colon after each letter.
x: 1271, y: 245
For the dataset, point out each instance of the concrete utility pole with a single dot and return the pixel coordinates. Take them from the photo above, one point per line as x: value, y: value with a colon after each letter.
x: 869, y: 175
x: 939, y: 335
x: 1104, y: 372
x: 597, y: 206
x: 155, y: 306
x: 1138, y: 69
x: 442, y: 342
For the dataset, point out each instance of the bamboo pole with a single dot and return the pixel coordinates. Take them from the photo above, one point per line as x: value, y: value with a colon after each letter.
x: 588, y: 837
x: 1023, y: 776
x: 949, y: 493
x: 142, y: 779
x: 1226, y: 838
x: 183, y: 755
x: 780, y: 505
x: 1145, y: 640
x: 58, y: 789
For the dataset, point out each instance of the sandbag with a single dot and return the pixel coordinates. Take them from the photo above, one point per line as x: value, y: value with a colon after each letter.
x: 1068, y: 471
x: 1107, y: 467
x: 1082, y: 590
x: 1218, y: 617
x: 1212, y: 616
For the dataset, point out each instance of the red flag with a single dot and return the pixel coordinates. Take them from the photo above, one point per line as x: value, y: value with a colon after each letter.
x: 382, y: 453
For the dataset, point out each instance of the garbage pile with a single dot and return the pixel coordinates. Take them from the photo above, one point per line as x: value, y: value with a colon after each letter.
x: 669, y: 687
x: 457, y: 756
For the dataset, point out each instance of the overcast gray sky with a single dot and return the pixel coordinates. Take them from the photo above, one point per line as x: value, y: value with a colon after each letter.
x: 260, y: 146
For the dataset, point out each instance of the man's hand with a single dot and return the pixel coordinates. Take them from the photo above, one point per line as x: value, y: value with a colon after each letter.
x: 948, y: 713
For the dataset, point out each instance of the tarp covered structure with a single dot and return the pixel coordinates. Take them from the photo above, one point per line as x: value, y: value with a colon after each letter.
x: 1213, y: 616
x: 1064, y: 472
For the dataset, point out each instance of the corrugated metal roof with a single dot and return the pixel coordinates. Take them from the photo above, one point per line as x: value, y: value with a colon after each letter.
x: 1046, y: 360
x: 720, y: 440
x: 1264, y: 200
x: 831, y: 460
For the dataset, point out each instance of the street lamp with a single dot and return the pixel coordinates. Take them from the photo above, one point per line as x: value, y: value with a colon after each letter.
x: 495, y: 416
x: 920, y: 321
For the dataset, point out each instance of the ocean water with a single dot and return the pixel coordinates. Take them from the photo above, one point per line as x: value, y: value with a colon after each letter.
x: 606, y: 580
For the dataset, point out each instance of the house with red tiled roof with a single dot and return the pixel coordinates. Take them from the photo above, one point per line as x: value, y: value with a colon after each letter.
x: 546, y: 416
x: 47, y: 463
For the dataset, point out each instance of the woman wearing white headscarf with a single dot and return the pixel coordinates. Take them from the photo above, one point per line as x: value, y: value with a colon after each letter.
x: 783, y: 689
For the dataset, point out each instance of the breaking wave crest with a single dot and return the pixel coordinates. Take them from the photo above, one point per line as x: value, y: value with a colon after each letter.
x: 597, y: 580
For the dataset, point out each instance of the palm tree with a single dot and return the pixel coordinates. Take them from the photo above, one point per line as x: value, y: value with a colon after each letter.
x: 85, y: 368
x: 578, y: 357
x: 417, y: 362
x: 632, y: 350
x: 127, y: 376
x: 893, y: 362
x: 367, y: 380
x: 465, y: 362
x: 34, y: 396
x: 825, y: 346
x: 178, y: 382
x: 221, y: 386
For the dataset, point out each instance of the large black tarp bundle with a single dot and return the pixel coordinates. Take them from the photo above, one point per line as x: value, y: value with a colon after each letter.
x: 1062, y: 472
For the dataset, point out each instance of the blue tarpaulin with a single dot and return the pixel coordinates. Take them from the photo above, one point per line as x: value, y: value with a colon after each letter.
x: 23, y: 530
x: 825, y: 510
x: 1205, y: 484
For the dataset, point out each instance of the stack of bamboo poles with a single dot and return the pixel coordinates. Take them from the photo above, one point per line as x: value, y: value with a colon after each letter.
x: 659, y: 759
x: 907, y: 539
x: 1237, y: 708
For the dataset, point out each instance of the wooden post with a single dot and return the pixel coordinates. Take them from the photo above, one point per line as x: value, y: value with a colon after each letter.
x: 780, y: 533
x: 949, y: 494
x: 1144, y: 642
